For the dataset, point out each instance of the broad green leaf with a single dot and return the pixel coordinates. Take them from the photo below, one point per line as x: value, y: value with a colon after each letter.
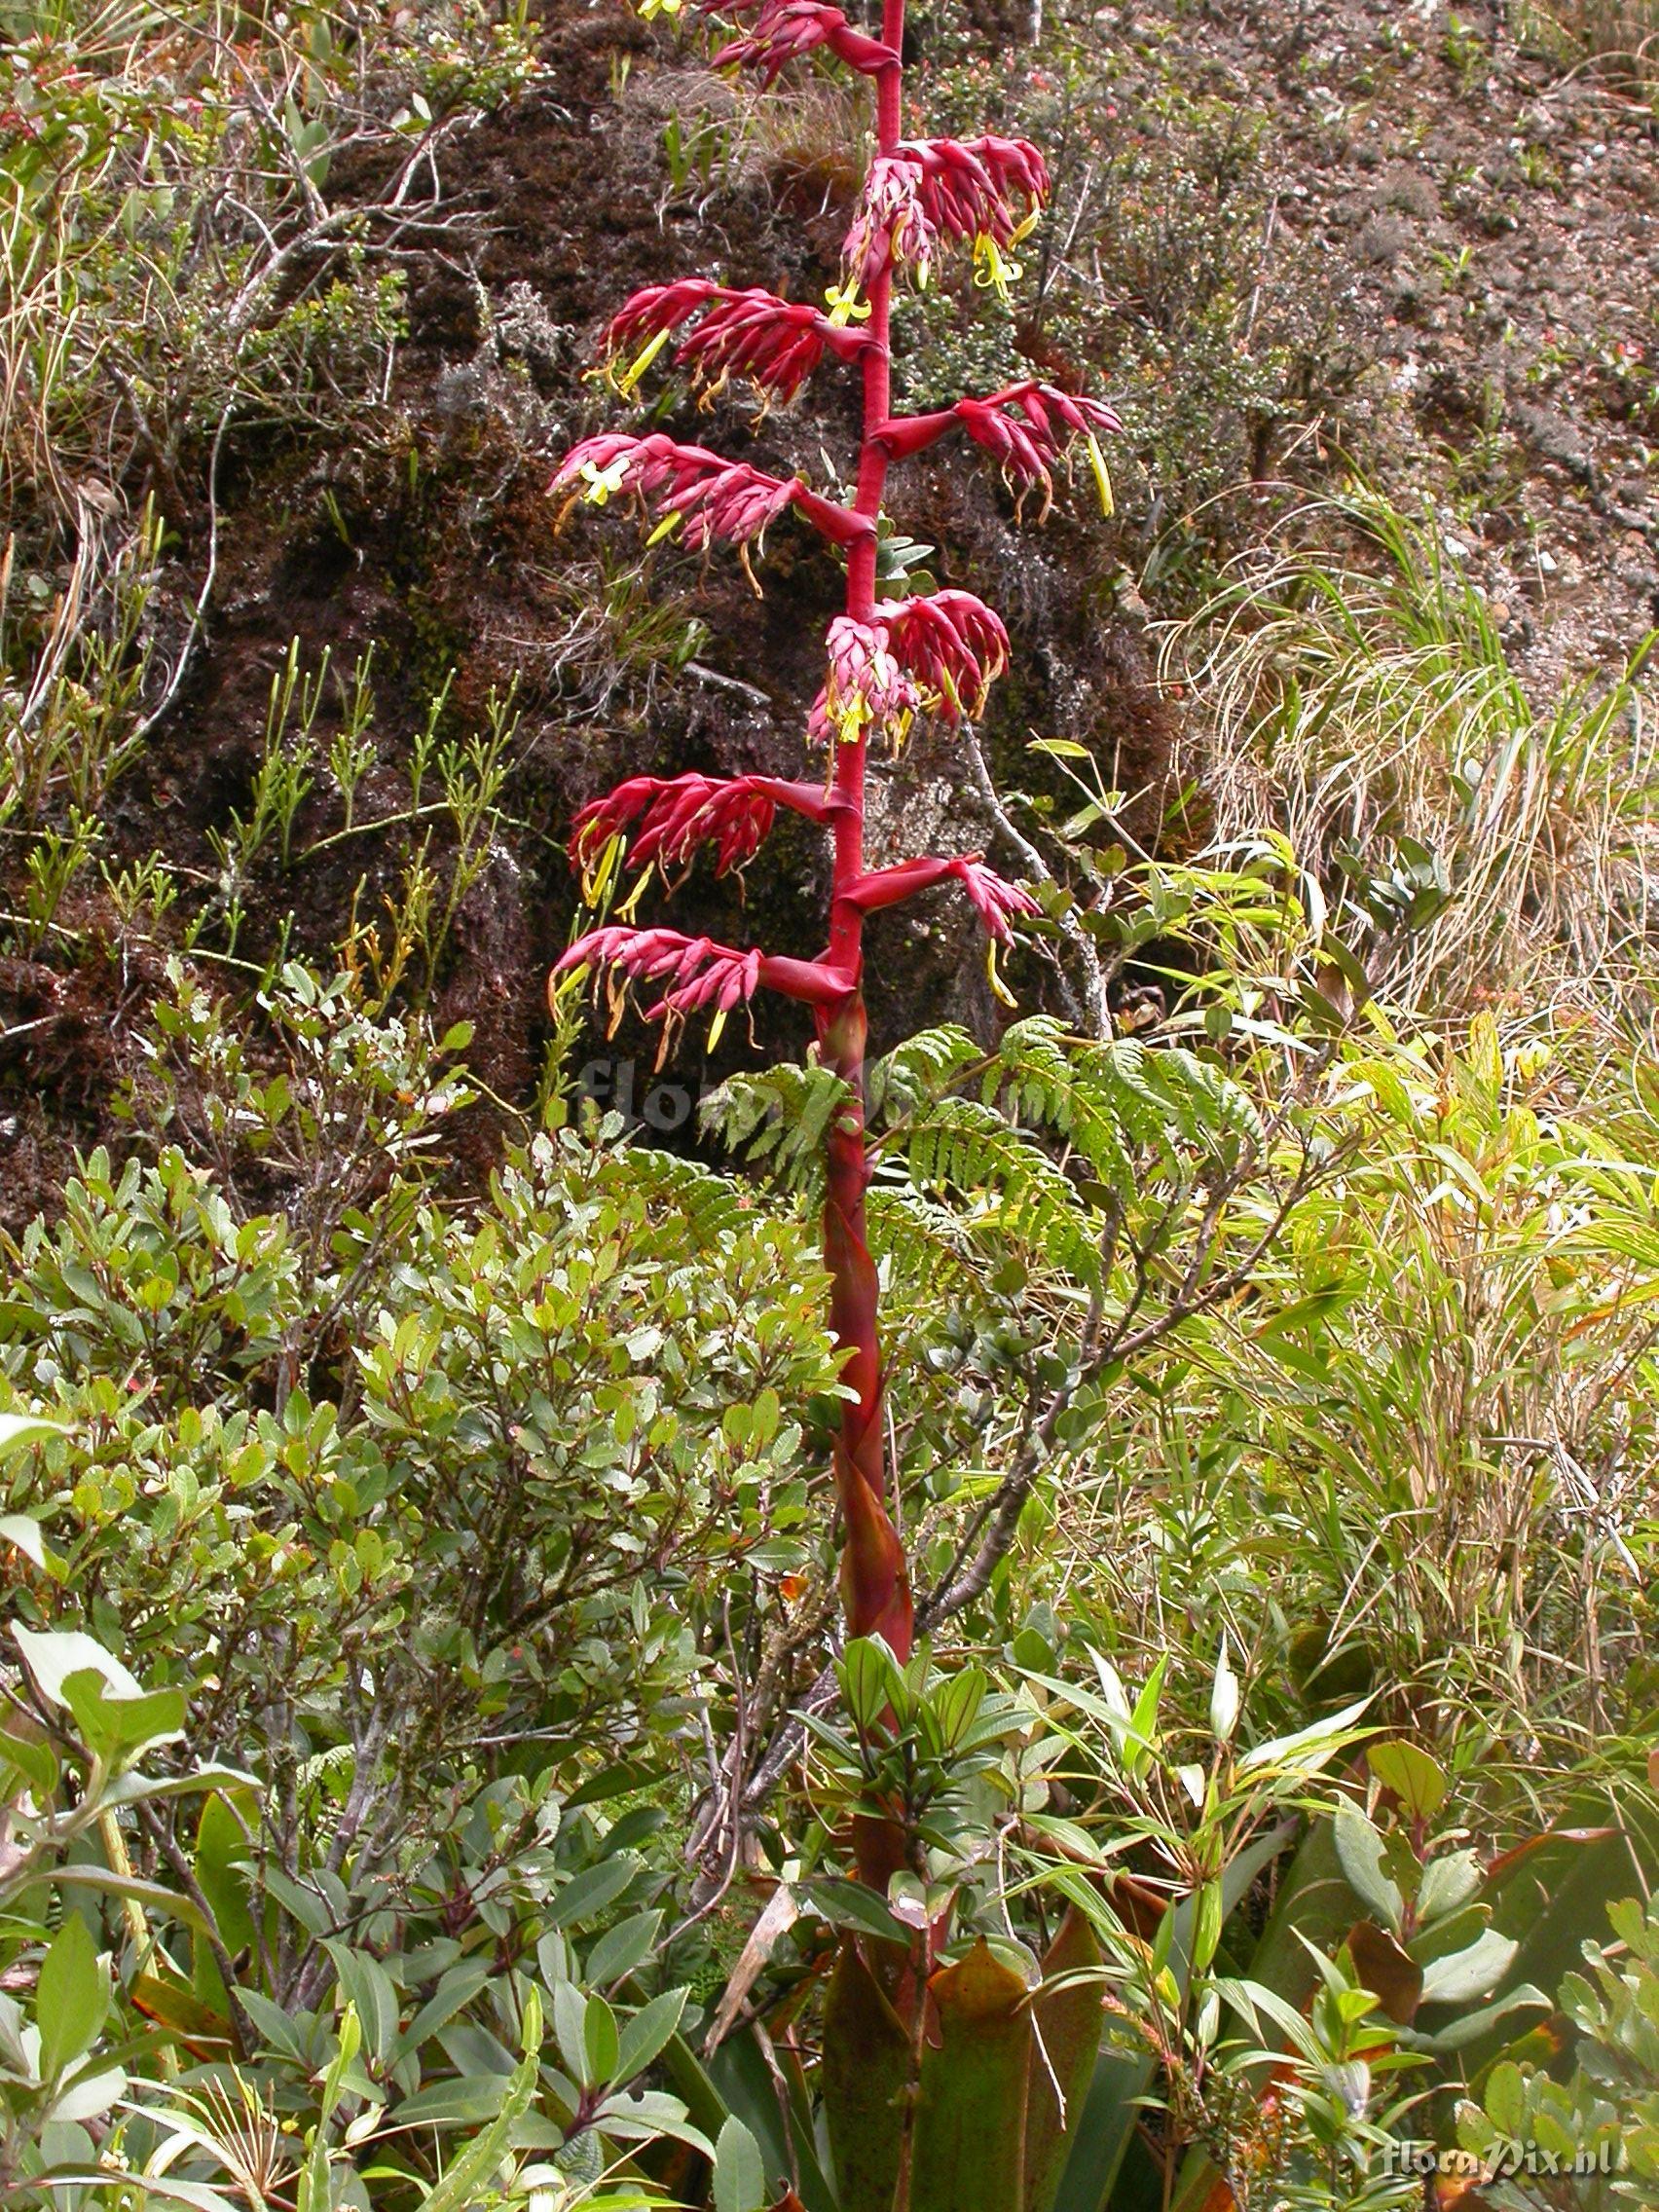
x: 155, y: 1896
x: 72, y: 1998
x: 624, y: 1947
x: 740, y: 2178
x: 646, y: 2033
x: 589, y: 1893
x: 470, y: 2101
x: 866, y: 2059
x: 21, y: 1531
x: 119, y: 1728
x: 846, y: 1903
x: 1411, y: 1774
x: 1469, y: 1974
x: 367, y: 1987
x: 1068, y: 2018
x: 52, y: 1655
x: 20, y: 1430
x: 970, y: 2152
x: 569, y: 2030
x: 600, y: 2042
x: 86, y: 2095
x: 1447, y: 1883
x: 1360, y: 1850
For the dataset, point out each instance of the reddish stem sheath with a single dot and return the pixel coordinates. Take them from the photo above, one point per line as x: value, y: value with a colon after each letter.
x: 875, y: 1588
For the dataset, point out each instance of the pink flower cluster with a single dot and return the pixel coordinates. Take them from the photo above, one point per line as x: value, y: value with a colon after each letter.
x: 674, y: 816
x: 866, y: 688
x: 940, y: 652
x: 933, y: 188
x: 776, y: 343
x: 712, y: 497
x: 951, y: 642
x: 784, y: 30
x: 699, y: 971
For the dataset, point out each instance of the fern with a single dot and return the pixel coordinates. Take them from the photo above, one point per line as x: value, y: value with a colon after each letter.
x: 709, y: 1203
x: 778, y: 1117
x: 966, y: 1147
x: 925, y: 1245
x: 921, y: 1069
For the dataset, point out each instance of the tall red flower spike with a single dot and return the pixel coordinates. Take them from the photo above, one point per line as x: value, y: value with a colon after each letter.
x: 888, y: 661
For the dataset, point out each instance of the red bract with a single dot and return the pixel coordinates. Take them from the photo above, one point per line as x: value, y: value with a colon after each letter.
x: 712, y: 497
x: 776, y: 343
x: 977, y: 187
x: 952, y: 644
x: 699, y: 972
x: 674, y: 816
x: 993, y: 898
x: 1028, y: 427
x: 786, y: 30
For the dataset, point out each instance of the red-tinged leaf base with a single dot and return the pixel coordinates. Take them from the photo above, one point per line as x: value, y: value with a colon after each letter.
x: 989, y: 2131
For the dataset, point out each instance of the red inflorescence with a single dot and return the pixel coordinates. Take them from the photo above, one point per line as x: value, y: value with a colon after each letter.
x: 890, y: 227
x: 674, y: 816
x: 784, y: 30
x: 971, y: 188
x: 776, y: 343
x: 1028, y: 427
x: 712, y: 497
x: 993, y: 897
x: 699, y: 971
x: 932, y: 187
x: 940, y: 653
x: 868, y: 689
x: 951, y: 642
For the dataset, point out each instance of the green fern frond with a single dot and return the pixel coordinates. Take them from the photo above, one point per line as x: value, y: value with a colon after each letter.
x: 778, y: 1117
x: 921, y: 1069
x: 709, y: 1203
x: 964, y: 1148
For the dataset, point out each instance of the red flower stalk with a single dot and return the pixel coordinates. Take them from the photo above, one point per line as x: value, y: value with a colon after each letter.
x: 775, y: 342
x: 887, y: 662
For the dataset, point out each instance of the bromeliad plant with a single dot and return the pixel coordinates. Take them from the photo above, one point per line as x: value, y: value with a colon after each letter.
x: 890, y: 659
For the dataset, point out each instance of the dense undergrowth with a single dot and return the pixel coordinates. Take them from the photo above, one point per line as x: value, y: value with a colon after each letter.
x: 414, y: 1570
